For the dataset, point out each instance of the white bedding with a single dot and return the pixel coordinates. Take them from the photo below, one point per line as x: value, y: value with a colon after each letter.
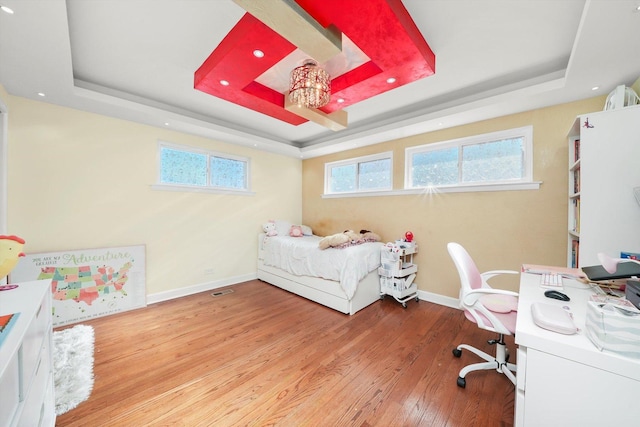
x: 302, y: 257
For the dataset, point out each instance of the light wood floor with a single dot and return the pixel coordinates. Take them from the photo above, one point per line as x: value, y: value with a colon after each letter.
x: 262, y: 356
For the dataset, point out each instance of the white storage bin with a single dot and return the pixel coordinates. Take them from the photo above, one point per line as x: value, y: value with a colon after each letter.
x: 397, y: 272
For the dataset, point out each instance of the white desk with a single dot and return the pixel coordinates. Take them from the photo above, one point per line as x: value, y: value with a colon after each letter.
x: 564, y: 380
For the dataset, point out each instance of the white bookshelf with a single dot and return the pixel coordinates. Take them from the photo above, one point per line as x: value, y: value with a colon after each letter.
x: 603, y: 215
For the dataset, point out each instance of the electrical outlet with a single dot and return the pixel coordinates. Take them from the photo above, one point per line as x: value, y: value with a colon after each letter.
x: 209, y: 271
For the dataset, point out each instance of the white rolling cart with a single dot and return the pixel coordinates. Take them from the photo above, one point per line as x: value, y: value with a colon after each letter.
x: 397, y: 272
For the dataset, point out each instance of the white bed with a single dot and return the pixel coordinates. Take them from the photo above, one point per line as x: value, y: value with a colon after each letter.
x: 344, y: 279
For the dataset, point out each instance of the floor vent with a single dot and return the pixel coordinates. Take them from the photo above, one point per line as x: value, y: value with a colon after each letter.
x: 221, y: 292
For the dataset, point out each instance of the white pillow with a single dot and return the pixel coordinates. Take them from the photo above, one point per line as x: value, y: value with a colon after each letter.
x: 283, y: 227
x: 306, y: 230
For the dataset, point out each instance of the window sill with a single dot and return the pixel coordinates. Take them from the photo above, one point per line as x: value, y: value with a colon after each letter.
x: 190, y: 189
x: 533, y: 185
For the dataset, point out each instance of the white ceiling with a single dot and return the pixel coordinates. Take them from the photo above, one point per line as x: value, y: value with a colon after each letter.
x: 136, y: 59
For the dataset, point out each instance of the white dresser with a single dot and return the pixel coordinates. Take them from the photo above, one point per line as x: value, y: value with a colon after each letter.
x: 26, y: 370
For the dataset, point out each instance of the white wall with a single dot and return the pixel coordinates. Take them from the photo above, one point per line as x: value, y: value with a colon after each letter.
x: 79, y: 180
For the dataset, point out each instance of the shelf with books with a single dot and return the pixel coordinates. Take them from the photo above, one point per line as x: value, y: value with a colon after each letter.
x: 602, y: 212
x: 573, y: 214
x: 575, y: 253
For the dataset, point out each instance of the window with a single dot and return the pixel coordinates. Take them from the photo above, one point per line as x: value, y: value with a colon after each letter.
x: 497, y: 158
x: 359, y: 175
x: 185, y: 168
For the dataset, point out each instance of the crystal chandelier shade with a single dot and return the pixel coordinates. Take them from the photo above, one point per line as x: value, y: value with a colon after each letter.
x: 309, y: 85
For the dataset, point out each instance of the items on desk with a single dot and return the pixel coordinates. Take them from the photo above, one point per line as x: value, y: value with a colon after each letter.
x: 632, y: 292
x: 611, y: 264
x: 620, y: 302
x: 614, y: 327
x: 553, y: 318
x: 623, y: 271
x: 556, y: 295
x: 569, y: 273
x: 551, y: 280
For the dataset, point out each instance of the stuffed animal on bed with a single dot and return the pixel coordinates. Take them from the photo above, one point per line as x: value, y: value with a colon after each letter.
x: 296, y: 231
x: 338, y: 239
x: 369, y: 236
x: 270, y: 228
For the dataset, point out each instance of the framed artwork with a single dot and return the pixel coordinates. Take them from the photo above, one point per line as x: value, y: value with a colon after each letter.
x: 88, y: 283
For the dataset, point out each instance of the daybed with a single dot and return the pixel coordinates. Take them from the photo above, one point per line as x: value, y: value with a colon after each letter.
x: 344, y: 279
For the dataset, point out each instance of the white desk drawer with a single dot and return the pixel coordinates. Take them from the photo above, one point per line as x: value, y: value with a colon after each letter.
x: 39, y: 328
x: 10, y: 387
x: 35, y: 403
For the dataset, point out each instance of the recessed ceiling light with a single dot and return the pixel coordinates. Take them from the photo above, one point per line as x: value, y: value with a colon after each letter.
x: 258, y: 53
x: 595, y: 88
x: 166, y: 123
x: 7, y: 9
x: 224, y: 83
x: 41, y: 94
x: 391, y: 80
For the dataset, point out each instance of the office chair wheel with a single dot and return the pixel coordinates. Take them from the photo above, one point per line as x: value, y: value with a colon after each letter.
x: 462, y: 382
x: 457, y: 353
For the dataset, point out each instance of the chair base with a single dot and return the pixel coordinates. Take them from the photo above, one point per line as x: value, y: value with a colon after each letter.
x: 499, y: 362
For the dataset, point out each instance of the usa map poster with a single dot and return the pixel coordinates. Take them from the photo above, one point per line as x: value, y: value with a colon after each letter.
x: 89, y: 283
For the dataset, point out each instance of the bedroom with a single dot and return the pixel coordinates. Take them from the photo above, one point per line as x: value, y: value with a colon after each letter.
x: 79, y: 179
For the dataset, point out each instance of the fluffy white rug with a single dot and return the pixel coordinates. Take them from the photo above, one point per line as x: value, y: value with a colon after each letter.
x: 72, y: 366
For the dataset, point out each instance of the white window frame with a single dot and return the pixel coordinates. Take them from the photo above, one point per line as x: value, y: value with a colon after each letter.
x: 524, y: 183
x: 356, y: 161
x: 197, y: 188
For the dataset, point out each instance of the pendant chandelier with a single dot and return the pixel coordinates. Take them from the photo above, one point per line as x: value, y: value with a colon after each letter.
x: 309, y: 85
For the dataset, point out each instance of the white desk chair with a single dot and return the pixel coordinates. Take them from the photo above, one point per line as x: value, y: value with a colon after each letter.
x: 491, y: 309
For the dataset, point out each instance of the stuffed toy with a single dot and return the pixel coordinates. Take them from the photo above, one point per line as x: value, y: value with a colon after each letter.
x: 295, y: 231
x: 10, y: 253
x: 369, y: 236
x: 270, y: 228
x: 338, y: 239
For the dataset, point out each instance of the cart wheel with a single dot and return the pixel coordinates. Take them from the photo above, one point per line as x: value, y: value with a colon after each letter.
x: 462, y: 382
x: 417, y: 299
x: 404, y: 304
x: 381, y: 297
x: 457, y: 352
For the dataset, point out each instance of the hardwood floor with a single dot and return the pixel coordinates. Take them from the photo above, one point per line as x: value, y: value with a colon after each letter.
x: 261, y: 356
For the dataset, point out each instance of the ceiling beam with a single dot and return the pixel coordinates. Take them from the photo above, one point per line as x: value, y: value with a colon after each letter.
x: 335, y: 121
x: 292, y: 22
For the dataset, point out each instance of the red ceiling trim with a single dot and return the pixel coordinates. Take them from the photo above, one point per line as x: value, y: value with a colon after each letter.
x: 382, y: 29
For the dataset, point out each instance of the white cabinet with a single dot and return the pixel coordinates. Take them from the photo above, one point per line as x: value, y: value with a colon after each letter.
x: 604, y: 215
x: 397, y: 272
x: 26, y: 368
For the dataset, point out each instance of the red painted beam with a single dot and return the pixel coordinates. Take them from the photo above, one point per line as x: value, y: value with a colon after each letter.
x: 382, y: 29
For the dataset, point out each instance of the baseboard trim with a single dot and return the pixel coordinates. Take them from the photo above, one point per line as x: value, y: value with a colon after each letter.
x: 190, y: 290
x: 439, y: 299
x: 208, y: 286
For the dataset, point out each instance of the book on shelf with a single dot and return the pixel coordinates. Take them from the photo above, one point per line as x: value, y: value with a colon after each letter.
x: 575, y: 253
x: 6, y: 323
x: 576, y: 215
x: 576, y: 181
x: 576, y: 150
